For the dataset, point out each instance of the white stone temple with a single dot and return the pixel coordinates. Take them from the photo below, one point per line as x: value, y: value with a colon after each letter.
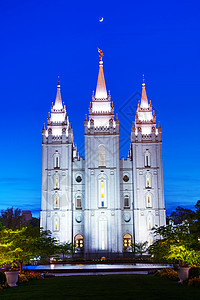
x: 101, y: 203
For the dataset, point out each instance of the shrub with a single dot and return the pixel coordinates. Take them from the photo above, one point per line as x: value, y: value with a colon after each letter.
x: 2, y: 278
x: 167, y: 273
x: 194, y: 282
x: 194, y: 272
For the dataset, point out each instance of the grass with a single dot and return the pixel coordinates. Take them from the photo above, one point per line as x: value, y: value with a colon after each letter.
x: 102, y: 287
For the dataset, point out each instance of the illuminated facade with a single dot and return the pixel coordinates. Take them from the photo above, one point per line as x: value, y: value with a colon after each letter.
x: 102, y: 203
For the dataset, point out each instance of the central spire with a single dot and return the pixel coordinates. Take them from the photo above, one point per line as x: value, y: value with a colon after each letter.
x: 101, y: 92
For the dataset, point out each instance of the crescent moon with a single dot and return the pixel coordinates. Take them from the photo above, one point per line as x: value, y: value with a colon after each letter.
x: 101, y: 20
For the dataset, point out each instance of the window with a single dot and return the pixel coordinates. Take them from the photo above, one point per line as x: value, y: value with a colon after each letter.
x: 148, y: 200
x: 102, y: 158
x: 56, y: 223
x: 78, y: 179
x: 126, y: 201
x: 149, y: 222
x: 56, y: 182
x: 56, y: 160
x: 126, y: 178
x: 148, y: 180
x: 127, y: 243
x: 78, y: 242
x: 102, y: 191
x: 78, y: 202
x: 147, y: 161
x: 56, y: 203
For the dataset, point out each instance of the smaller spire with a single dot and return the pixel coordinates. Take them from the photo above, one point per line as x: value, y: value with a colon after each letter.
x: 159, y: 127
x: 43, y: 128
x: 144, y: 100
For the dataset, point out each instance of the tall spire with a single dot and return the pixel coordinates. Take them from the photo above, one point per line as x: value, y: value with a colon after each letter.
x: 101, y: 92
x: 144, y: 100
x: 58, y: 102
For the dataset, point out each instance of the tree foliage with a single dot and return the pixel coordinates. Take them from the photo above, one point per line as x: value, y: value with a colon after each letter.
x: 11, y: 218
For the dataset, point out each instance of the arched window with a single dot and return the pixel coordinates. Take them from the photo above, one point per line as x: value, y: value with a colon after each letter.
x: 56, y: 223
x: 78, y: 242
x: 126, y: 201
x: 148, y: 200
x: 147, y: 159
x: 148, y: 180
x: 56, y: 201
x: 102, y: 185
x: 149, y: 222
x: 127, y: 243
x: 78, y: 201
x: 56, y: 182
x: 102, y: 157
x: 56, y: 160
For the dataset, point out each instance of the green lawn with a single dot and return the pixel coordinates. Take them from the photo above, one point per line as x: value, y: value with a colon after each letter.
x: 102, y: 287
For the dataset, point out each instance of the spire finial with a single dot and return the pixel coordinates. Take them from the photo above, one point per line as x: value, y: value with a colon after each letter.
x: 101, y: 92
x: 58, y: 103
x: 100, y: 54
x: 144, y: 100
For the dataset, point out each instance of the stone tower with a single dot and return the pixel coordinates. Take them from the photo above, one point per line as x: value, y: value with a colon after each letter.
x: 146, y: 155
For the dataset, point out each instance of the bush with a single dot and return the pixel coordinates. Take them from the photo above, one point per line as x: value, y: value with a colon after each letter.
x: 194, y: 282
x: 168, y: 274
x: 2, y: 278
x: 194, y: 272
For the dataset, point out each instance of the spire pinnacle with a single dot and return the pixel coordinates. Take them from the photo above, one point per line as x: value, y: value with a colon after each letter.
x: 144, y: 100
x: 58, y: 101
x: 101, y: 92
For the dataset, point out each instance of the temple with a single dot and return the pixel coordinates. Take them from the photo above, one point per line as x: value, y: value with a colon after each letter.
x: 102, y: 204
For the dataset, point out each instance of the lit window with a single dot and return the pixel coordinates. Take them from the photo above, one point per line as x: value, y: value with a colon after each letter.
x: 78, y: 241
x: 56, y: 223
x: 148, y: 200
x: 56, y: 181
x: 149, y: 222
x: 102, y: 158
x: 147, y: 161
x: 126, y: 201
x: 56, y: 201
x: 148, y: 180
x: 127, y: 243
x: 102, y: 192
x: 78, y: 202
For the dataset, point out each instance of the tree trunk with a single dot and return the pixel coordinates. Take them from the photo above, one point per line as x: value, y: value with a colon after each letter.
x: 63, y: 256
x: 20, y: 266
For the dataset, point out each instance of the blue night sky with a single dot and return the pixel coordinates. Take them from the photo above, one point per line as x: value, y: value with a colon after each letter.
x: 41, y: 39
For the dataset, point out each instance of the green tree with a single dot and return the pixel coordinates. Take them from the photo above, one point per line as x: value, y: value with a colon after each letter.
x: 46, y: 245
x: 65, y: 249
x: 165, y: 236
x: 16, y: 246
x: 181, y: 215
x: 140, y: 248
x: 11, y: 218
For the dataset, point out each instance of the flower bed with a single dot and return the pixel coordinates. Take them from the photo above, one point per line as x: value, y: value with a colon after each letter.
x: 26, y: 276
x: 167, y: 273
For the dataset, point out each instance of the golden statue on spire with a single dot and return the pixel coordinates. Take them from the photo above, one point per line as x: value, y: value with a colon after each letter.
x: 100, y: 54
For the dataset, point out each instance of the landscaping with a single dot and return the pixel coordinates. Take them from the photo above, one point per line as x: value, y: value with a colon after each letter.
x: 102, y: 287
